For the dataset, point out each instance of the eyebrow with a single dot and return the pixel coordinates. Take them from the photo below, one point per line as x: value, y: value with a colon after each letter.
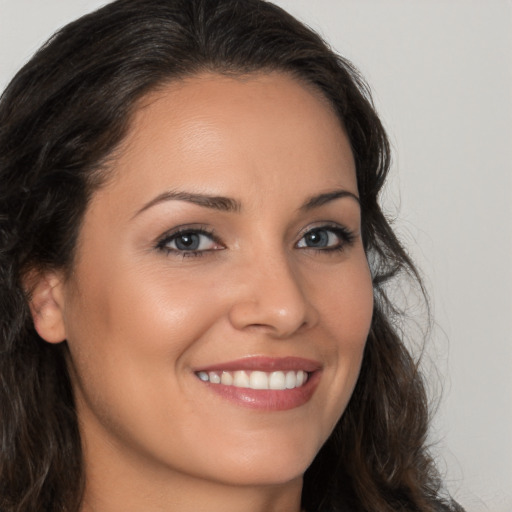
x: 223, y: 204
x: 227, y: 204
x: 321, y: 199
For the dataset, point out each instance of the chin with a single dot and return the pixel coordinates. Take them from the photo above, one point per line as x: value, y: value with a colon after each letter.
x: 269, y: 474
x: 274, y: 466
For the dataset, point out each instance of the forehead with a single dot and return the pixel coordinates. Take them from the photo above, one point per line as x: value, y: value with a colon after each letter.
x: 212, y: 130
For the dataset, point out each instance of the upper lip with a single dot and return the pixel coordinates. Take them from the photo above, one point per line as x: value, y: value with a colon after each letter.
x: 265, y: 364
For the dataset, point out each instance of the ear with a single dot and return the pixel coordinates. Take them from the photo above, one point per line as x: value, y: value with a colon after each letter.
x: 46, y: 301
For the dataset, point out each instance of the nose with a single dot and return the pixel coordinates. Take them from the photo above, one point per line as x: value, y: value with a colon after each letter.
x: 271, y: 296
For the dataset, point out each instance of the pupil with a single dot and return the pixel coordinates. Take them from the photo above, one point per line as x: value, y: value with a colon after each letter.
x: 187, y: 241
x: 317, y: 239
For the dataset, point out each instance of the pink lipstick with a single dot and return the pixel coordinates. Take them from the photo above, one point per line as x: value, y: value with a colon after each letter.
x: 265, y: 383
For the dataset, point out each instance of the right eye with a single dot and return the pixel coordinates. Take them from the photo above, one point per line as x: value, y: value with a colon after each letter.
x: 189, y: 242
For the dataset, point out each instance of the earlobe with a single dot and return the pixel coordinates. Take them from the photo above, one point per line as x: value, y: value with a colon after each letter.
x: 46, y: 301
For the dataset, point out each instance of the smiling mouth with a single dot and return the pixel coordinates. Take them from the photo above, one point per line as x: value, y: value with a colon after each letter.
x: 275, y: 380
x: 263, y: 383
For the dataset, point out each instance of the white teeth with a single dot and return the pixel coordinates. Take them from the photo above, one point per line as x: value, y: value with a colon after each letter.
x: 214, y: 378
x: 258, y: 380
x: 226, y: 379
x: 291, y: 380
x: 241, y: 380
x: 277, y: 380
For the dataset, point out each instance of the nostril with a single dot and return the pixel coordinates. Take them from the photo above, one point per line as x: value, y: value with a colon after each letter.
x: 277, y: 321
x: 271, y: 298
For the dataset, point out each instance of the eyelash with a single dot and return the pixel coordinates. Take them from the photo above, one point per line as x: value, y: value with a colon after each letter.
x: 163, y: 243
x: 345, y: 236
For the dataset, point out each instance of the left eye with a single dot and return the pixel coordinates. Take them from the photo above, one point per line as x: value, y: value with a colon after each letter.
x: 324, y: 238
x: 189, y: 241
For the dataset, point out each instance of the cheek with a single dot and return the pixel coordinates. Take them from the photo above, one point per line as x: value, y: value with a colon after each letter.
x: 347, y: 303
x: 355, y: 314
x: 130, y: 343
x: 141, y: 309
x: 132, y: 339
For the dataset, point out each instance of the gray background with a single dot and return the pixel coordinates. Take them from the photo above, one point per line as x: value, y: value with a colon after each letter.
x: 441, y: 72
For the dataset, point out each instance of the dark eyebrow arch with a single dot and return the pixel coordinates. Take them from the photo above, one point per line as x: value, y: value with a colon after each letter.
x: 321, y: 199
x: 223, y: 204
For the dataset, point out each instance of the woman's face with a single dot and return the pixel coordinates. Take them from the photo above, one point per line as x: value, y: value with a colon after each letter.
x: 225, y: 247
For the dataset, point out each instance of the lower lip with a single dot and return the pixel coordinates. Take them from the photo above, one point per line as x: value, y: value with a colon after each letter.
x: 268, y: 399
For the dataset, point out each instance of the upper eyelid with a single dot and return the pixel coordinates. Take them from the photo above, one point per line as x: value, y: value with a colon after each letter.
x: 187, y: 228
x: 324, y: 225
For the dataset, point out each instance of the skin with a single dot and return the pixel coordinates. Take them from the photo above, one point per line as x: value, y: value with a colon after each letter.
x: 139, y: 318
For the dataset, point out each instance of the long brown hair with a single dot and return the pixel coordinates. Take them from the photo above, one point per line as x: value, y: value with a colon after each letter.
x: 61, y: 117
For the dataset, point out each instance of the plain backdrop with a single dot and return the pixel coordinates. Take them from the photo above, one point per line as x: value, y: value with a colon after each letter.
x: 441, y: 74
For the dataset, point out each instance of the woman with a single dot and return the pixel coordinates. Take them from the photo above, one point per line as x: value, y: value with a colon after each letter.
x: 193, y: 267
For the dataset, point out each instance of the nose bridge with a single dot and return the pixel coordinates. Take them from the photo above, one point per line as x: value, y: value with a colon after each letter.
x: 271, y: 296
